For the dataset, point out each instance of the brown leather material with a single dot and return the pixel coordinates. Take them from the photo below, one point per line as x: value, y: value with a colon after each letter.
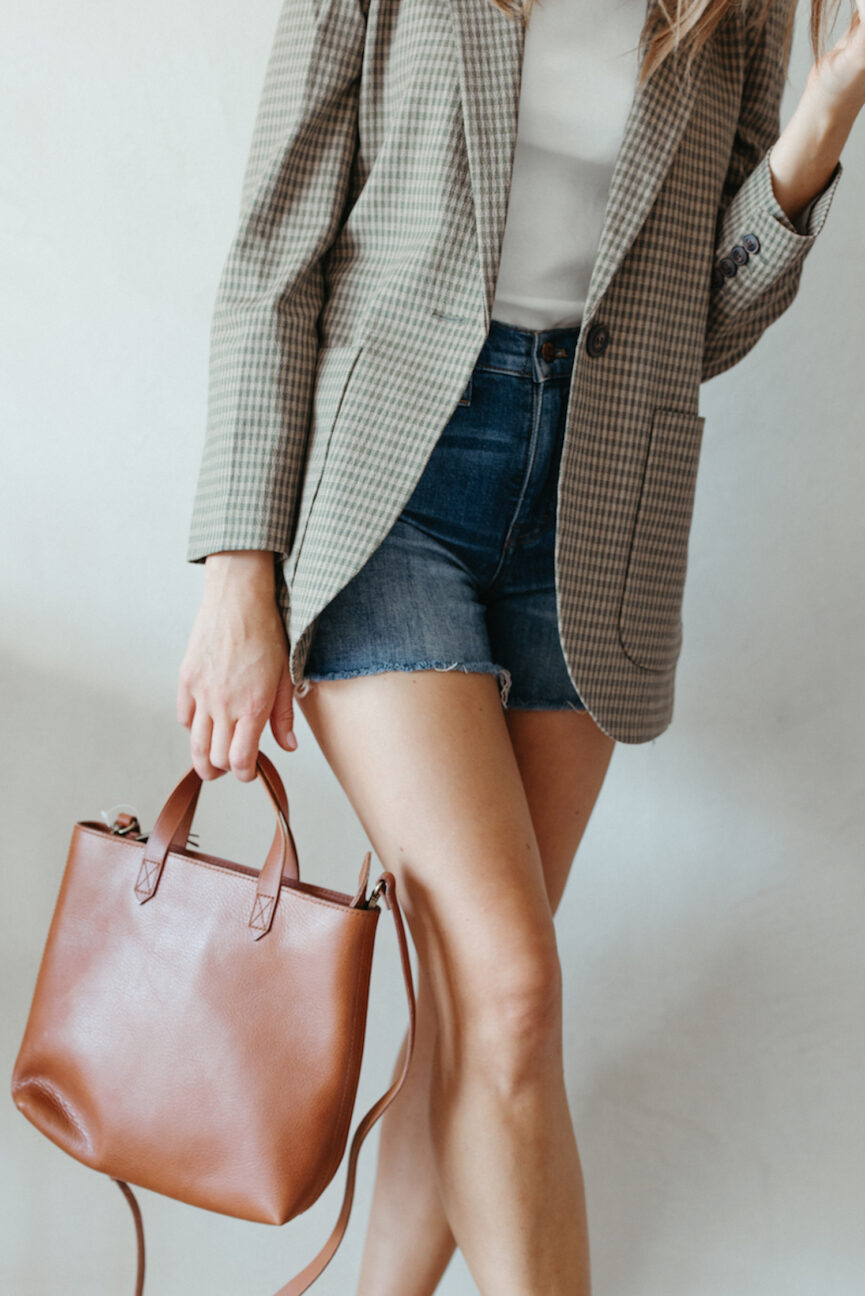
x: 197, y: 1027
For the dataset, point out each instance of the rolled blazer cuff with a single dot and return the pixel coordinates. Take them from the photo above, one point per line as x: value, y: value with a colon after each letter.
x: 759, y: 244
x: 244, y: 537
x: 810, y: 221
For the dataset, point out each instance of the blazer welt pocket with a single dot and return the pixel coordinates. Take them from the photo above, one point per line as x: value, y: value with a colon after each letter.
x: 650, y: 623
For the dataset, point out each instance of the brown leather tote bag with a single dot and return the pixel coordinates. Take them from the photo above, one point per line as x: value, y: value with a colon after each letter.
x: 197, y: 1026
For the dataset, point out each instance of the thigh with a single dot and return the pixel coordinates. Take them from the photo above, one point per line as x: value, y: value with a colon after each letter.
x: 563, y: 757
x: 427, y: 763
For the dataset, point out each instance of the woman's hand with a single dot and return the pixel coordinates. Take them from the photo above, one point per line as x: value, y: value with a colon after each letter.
x: 839, y: 76
x: 235, y: 672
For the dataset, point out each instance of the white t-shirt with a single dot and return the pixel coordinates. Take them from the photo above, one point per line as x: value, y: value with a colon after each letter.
x: 579, y: 76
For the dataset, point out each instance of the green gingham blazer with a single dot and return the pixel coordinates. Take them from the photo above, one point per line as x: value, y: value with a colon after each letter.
x: 357, y: 291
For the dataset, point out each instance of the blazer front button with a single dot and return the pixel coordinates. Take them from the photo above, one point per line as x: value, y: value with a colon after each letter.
x: 597, y: 340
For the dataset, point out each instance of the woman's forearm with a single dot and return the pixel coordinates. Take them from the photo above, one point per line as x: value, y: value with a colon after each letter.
x: 807, y: 151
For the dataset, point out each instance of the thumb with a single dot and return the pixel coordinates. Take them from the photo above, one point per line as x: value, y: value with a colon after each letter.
x: 282, y: 714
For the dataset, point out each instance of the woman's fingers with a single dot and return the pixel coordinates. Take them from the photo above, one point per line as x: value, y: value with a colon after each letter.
x: 244, y: 746
x: 221, y: 743
x: 185, y: 700
x: 221, y: 737
x: 199, y: 744
x: 282, y: 714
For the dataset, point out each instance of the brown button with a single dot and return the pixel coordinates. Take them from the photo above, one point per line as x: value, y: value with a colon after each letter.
x: 598, y: 337
x: 548, y: 350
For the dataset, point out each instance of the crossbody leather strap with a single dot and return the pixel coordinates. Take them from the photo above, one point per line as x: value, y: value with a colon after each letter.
x: 304, y: 1280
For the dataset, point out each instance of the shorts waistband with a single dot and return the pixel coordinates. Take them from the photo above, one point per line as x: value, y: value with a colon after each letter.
x: 538, y: 353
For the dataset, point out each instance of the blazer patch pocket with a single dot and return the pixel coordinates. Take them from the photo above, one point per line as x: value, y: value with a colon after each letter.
x: 650, y: 623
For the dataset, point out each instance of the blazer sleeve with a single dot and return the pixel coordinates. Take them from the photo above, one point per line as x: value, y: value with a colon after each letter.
x: 748, y: 295
x: 264, y: 338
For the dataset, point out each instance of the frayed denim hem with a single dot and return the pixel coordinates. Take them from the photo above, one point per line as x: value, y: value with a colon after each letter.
x: 545, y: 706
x: 487, y: 668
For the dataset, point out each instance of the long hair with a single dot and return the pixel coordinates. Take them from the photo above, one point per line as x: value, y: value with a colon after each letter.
x: 682, y: 27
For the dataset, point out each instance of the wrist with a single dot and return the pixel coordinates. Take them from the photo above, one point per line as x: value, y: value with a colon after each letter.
x: 832, y: 113
x: 252, y: 569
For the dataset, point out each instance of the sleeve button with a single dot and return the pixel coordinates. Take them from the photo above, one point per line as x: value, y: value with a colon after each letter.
x: 751, y: 243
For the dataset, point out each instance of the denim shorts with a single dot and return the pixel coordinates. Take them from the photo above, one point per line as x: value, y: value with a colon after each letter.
x: 465, y: 578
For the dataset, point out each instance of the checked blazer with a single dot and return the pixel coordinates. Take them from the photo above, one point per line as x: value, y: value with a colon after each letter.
x: 357, y: 290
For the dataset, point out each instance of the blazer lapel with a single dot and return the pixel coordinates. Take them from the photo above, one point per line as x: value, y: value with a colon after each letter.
x: 490, y: 48
x: 655, y: 124
x: 490, y: 56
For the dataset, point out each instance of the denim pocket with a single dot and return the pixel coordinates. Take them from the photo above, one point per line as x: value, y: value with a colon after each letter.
x: 466, y: 398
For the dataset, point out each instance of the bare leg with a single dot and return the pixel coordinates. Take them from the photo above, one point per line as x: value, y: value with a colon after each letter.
x: 563, y: 758
x: 409, y: 1259
x: 429, y: 764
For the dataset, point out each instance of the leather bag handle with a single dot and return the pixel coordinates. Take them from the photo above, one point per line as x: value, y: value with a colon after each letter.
x: 174, y: 822
x: 386, y: 884
x: 185, y: 827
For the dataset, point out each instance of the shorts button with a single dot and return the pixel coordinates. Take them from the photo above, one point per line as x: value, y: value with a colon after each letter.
x: 548, y: 351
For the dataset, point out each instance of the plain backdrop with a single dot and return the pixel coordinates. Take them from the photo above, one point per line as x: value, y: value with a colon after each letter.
x: 711, y: 933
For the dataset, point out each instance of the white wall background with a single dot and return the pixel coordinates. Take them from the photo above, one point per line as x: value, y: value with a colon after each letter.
x: 712, y: 929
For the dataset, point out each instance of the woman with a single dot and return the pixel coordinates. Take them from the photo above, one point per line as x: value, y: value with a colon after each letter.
x: 447, y: 487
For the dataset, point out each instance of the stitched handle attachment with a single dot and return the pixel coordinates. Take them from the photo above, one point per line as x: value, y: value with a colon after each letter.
x: 174, y: 823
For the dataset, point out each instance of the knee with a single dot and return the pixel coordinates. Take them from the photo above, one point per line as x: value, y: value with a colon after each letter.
x: 515, y: 1022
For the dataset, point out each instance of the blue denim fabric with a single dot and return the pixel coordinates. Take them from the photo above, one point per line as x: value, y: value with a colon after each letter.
x: 465, y: 578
